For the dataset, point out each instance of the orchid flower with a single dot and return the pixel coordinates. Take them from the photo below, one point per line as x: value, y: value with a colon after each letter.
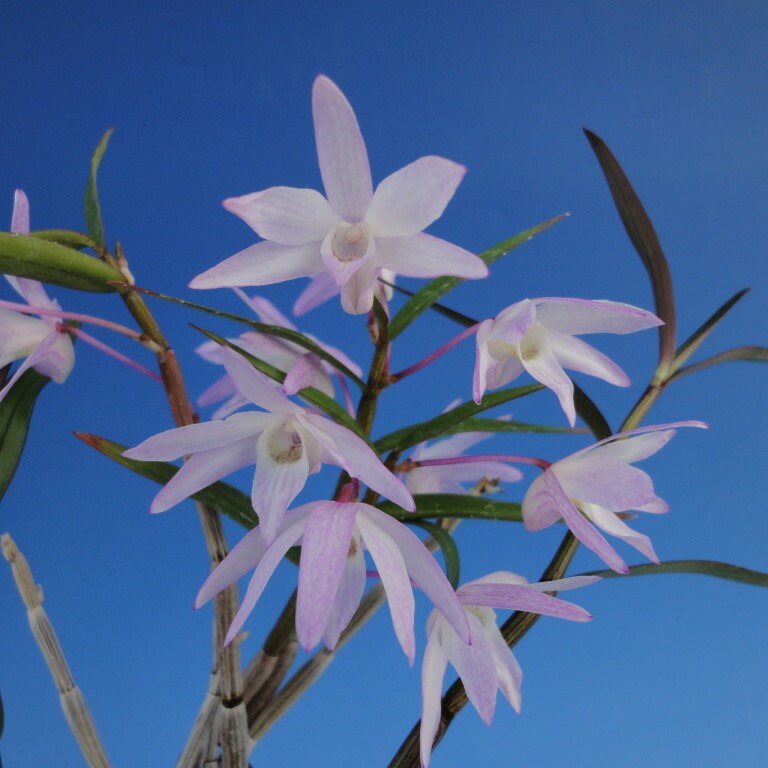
x: 487, y: 664
x: 538, y: 336
x: 323, y: 287
x: 448, y: 478
x: 287, y: 444
x: 353, y: 233
x: 47, y: 349
x: 332, y: 571
x: 303, y: 368
x: 589, y: 487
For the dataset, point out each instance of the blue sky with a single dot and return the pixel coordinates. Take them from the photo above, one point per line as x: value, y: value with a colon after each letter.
x: 208, y: 103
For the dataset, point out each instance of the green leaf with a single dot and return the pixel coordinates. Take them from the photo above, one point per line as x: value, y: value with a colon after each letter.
x: 15, y: 414
x: 93, y: 221
x: 441, y: 309
x: 692, y: 343
x: 225, y: 498
x: 590, y: 414
x: 312, y: 395
x: 424, y: 430
x: 272, y: 330
x: 67, y: 237
x: 703, y: 567
x: 743, y: 354
x: 643, y: 236
x: 448, y: 547
x: 431, y: 292
x: 429, y: 505
x: 497, y: 425
x: 49, y: 262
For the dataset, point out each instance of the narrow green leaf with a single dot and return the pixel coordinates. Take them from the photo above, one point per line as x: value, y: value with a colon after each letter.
x: 436, y: 505
x: 496, y: 425
x: 312, y: 395
x: 49, y: 262
x: 692, y: 343
x: 590, y: 414
x: 272, y: 330
x: 93, y: 221
x: 441, y: 309
x: 703, y: 567
x: 403, y: 438
x: 447, y: 546
x: 743, y: 354
x: 67, y: 237
x: 225, y: 498
x: 15, y: 415
x: 431, y: 292
x: 643, y: 236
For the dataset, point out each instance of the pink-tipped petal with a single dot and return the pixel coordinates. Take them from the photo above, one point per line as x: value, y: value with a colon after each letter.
x: 509, y: 675
x: 341, y: 151
x: 540, y: 508
x: 512, y: 597
x: 354, y: 455
x: 265, y: 263
x: 222, y: 388
x: 57, y: 358
x: 483, y: 360
x: 265, y: 310
x: 576, y: 355
x: 203, y: 469
x: 423, y: 255
x: 20, y: 215
x: 634, y: 448
x: 394, y: 577
x: 656, y: 507
x: 266, y: 568
x: 285, y: 215
x: 324, y: 549
x: 476, y: 666
x: 611, y: 484
x: 193, y: 438
x: 303, y: 373
x: 20, y: 335
x: 358, y: 292
x: 576, y: 316
x: 243, y: 557
x: 613, y: 525
x: 348, y: 595
x: 255, y: 386
x: 432, y: 673
x: 424, y: 570
x: 37, y: 356
x: 321, y: 288
x: 410, y: 199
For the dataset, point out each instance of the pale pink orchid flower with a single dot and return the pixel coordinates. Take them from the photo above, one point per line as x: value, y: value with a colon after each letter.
x: 353, y: 233
x: 287, y: 443
x: 487, y: 664
x: 332, y: 571
x: 46, y: 348
x: 539, y: 336
x: 589, y: 488
x: 302, y: 368
x: 323, y: 287
x: 450, y: 478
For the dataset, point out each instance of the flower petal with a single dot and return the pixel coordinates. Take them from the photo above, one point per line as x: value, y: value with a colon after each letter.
x: 19, y: 335
x: 20, y: 215
x: 476, y: 666
x: 37, y: 356
x: 263, y: 264
x: 423, y: 569
x: 451, y: 446
x: 321, y: 288
x: 266, y: 568
x: 222, y: 388
x: 255, y: 386
x: 575, y: 316
x: 432, y: 673
x: 348, y: 595
x: 612, y: 524
x: 282, y: 468
x: 560, y: 585
x: 354, y: 455
x: 341, y: 151
x: 577, y: 355
x: 265, y: 310
x: 324, y: 549
x: 483, y: 360
x: 243, y: 557
x: 512, y: 597
x: 611, y: 484
x: 422, y: 255
x: 307, y: 371
x: 357, y: 293
x: 634, y: 448
x: 394, y: 577
x: 206, y: 436
x: 509, y: 675
x: 410, y: 199
x: 285, y: 215
x: 203, y: 469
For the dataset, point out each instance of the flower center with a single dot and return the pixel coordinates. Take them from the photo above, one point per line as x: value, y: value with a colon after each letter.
x: 285, y: 446
x: 350, y: 242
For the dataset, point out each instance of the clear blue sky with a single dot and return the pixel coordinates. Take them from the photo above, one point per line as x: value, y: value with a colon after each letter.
x: 212, y: 101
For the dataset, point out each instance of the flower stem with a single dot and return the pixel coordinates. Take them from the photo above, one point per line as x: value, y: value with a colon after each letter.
x: 437, y: 353
x: 410, y: 464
